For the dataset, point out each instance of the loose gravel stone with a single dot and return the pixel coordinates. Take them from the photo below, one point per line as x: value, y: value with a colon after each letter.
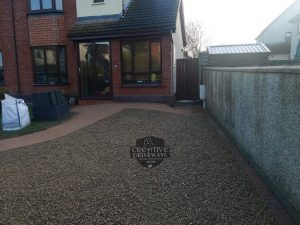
x: 88, y: 177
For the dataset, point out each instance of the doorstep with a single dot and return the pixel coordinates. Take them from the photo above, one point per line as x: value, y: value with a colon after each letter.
x: 82, y: 102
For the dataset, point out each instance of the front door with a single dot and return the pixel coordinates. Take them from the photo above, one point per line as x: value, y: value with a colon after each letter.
x: 95, y: 70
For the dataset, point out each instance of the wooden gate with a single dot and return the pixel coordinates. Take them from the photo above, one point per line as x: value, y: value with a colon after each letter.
x: 187, y: 79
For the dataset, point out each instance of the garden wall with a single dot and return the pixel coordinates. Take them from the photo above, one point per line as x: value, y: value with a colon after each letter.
x: 260, y: 109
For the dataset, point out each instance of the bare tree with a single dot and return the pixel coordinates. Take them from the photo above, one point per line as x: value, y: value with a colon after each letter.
x: 195, y: 38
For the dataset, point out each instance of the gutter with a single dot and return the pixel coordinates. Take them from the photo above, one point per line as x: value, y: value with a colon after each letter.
x: 120, y: 33
x: 16, y: 50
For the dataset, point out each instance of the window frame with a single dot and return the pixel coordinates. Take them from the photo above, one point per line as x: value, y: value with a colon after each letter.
x: 132, y: 43
x: 288, y: 36
x: 95, y: 3
x: 58, y: 69
x: 2, y: 82
x: 41, y: 10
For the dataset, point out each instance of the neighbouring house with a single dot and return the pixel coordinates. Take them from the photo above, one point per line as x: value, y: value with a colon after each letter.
x: 295, y: 43
x: 124, y: 50
x: 238, y: 55
x: 282, y: 36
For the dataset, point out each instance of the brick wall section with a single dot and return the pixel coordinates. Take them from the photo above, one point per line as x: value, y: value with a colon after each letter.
x: 163, y: 90
x: 7, y: 46
x: 70, y: 15
x: 47, y: 29
x: 23, y: 46
x: 34, y: 30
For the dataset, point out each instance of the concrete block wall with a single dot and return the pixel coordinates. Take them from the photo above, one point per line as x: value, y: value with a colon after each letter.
x: 260, y: 108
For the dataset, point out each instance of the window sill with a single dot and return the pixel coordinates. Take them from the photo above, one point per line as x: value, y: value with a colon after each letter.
x: 141, y: 85
x: 58, y: 12
x: 97, y: 3
x: 47, y: 85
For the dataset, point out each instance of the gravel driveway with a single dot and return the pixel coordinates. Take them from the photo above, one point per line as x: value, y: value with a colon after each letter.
x: 88, y: 177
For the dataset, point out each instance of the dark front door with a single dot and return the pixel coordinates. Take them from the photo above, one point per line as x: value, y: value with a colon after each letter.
x: 95, y: 70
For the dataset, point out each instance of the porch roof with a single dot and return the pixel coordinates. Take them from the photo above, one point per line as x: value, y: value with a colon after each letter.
x: 141, y: 16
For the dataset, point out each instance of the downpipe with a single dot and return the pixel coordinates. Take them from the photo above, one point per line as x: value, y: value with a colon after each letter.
x: 172, y: 72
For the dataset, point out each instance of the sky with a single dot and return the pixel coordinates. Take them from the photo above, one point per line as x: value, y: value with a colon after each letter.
x: 234, y: 21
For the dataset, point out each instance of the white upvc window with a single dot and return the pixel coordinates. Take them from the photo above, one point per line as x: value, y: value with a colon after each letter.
x: 288, y: 36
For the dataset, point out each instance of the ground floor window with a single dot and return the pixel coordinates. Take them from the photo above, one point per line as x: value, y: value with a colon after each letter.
x: 50, y: 65
x: 1, y: 69
x: 141, y: 62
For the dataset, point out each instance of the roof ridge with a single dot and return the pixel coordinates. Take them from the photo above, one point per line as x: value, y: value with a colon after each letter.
x: 245, y: 44
x: 140, y: 15
x: 273, y: 21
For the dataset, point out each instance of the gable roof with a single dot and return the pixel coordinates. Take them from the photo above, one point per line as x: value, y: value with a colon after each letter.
x: 141, y: 16
x: 238, y: 49
x: 277, y: 18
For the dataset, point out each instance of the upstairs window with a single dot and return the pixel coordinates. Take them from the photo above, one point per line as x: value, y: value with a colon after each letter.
x: 1, y: 69
x: 98, y: 1
x: 45, y: 5
x: 288, y: 36
x: 50, y: 65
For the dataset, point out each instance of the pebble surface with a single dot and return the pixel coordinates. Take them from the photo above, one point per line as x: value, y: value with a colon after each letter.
x: 88, y: 177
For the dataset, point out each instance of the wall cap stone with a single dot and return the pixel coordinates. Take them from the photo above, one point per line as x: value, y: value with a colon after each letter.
x: 259, y: 69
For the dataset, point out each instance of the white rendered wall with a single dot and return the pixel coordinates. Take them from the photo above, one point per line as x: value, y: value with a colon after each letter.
x: 178, y: 39
x: 279, y: 57
x: 177, y: 47
x: 87, y: 8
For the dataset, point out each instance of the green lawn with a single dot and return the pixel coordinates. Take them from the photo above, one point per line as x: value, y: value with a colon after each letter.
x: 35, y: 126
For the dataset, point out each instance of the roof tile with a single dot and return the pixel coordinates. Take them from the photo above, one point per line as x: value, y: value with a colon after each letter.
x: 140, y: 16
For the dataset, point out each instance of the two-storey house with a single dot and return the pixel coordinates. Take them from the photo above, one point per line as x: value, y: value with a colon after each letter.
x: 100, y: 49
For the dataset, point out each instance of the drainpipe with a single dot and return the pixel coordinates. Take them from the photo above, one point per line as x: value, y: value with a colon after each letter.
x: 16, y: 50
x: 172, y: 72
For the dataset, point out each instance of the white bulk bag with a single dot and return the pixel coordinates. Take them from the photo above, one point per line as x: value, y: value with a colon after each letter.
x: 15, y: 114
